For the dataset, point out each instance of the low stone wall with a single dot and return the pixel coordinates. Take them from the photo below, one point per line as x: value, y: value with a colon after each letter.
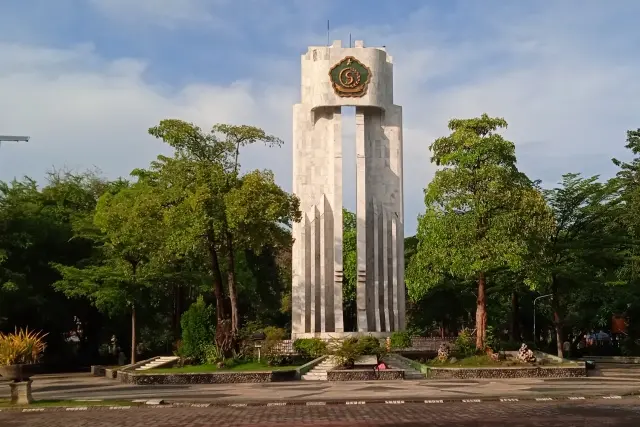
x: 508, y: 372
x: 612, y: 359
x: 111, y: 373
x: 97, y: 370
x: 364, y: 375
x: 207, y: 378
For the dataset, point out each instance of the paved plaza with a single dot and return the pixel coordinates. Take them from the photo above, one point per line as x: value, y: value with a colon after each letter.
x: 609, y: 397
x: 621, y: 413
x: 611, y: 380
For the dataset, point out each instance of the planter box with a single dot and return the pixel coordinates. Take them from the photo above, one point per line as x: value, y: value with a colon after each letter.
x: 364, y: 375
x: 508, y: 372
x: 208, y: 378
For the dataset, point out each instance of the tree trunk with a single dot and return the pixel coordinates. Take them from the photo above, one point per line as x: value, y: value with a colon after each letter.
x: 481, y: 312
x: 218, y: 290
x: 133, y: 333
x: 557, y: 318
x: 515, y: 317
x: 231, y: 282
x: 224, y: 340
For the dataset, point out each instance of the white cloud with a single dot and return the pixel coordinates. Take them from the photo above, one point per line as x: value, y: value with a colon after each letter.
x: 567, y: 97
x: 166, y: 13
x: 83, y: 111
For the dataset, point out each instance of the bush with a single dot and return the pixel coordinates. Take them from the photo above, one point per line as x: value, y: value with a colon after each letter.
x: 369, y: 345
x: 21, y: 347
x: 346, y: 351
x: 212, y: 354
x: 464, y: 345
x: 198, y: 330
x: 491, y: 340
x: 400, y: 340
x: 310, y: 347
x: 349, y: 349
x: 273, y: 336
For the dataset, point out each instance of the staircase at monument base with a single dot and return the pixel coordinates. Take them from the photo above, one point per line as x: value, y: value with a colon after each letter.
x: 158, y: 362
x: 319, y: 372
x: 396, y: 362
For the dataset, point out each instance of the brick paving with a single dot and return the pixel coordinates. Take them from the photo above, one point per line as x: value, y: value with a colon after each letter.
x: 517, y: 414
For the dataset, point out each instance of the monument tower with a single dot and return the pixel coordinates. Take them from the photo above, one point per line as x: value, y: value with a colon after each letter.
x: 333, y: 77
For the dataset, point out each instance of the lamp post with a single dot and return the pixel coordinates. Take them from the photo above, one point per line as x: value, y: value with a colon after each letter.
x: 534, y: 315
x: 13, y: 138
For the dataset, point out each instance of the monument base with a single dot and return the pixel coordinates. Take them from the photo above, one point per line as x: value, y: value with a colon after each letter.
x: 21, y: 393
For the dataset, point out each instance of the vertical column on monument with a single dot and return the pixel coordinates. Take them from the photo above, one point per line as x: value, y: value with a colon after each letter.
x: 380, y: 288
x: 394, y: 206
x: 317, y: 181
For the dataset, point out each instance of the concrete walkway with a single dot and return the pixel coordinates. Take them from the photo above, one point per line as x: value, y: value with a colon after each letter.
x: 86, y: 387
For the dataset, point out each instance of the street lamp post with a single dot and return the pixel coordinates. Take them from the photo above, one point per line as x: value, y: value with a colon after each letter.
x: 534, y: 315
x: 13, y: 138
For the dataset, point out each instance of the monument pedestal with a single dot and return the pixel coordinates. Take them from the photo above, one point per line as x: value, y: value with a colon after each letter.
x: 21, y: 393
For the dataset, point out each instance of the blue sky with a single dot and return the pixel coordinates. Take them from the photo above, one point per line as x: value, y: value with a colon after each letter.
x: 86, y: 78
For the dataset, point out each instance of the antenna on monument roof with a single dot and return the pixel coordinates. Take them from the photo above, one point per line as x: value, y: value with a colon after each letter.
x: 328, y: 43
x: 350, y: 40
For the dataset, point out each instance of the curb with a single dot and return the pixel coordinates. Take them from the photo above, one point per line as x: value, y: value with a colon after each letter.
x: 161, y: 404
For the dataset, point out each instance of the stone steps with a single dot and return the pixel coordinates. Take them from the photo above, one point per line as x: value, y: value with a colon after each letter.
x: 158, y: 362
x: 319, y: 372
x: 397, y: 363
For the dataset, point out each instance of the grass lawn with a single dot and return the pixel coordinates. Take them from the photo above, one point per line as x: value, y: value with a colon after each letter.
x: 243, y: 367
x: 6, y: 403
x: 486, y: 362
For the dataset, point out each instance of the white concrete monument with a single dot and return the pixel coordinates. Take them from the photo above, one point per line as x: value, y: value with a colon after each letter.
x: 333, y: 77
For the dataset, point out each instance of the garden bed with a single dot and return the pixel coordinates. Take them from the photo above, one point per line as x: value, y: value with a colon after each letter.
x: 508, y: 372
x: 344, y: 374
x: 547, y: 366
x: 221, y: 377
x: 249, y: 372
x: 204, y: 369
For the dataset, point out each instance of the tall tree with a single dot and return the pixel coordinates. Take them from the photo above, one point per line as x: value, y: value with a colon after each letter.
x: 36, y: 228
x: 212, y: 206
x: 129, y: 222
x: 582, y: 251
x: 481, y: 212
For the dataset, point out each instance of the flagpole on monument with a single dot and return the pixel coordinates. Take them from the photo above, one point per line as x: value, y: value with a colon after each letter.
x: 328, y: 34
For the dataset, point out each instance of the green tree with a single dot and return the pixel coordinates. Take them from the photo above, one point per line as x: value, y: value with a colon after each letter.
x: 215, y: 210
x: 36, y: 228
x: 481, y: 212
x: 583, y: 249
x: 350, y: 267
x: 129, y: 222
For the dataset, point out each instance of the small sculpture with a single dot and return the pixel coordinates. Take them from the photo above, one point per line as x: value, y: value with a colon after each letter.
x: 443, y: 352
x: 525, y: 355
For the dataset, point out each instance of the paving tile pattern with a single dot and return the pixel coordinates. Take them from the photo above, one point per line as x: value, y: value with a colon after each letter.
x: 517, y: 414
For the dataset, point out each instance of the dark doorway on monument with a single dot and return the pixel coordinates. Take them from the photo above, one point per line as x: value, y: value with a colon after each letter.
x: 349, y: 240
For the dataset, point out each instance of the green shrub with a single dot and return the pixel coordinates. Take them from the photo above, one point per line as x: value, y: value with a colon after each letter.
x: 464, y: 345
x: 346, y: 351
x: 349, y: 349
x: 247, y: 349
x: 400, y: 340
x: 491, y: 340
x: 310, y: 347
x: 197, y: 330
x: 212, y: 354
x: 369, y: 345
x: 273, y: 336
